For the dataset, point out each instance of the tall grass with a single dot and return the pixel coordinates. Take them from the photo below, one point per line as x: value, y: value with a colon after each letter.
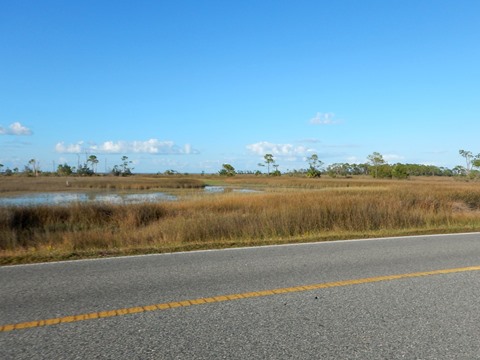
x: 232, y: 219
x: 22, y: 184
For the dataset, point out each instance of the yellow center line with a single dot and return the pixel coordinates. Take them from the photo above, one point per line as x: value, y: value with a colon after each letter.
x: 200, y: 301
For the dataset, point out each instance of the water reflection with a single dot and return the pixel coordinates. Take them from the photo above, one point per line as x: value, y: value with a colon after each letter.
x: 214, y: 189
x: 220, y: 189
x: 67, y: 198
x: 52, y: 198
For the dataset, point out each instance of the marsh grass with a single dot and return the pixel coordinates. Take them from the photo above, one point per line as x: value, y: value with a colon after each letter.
x: 286, y: 211
x: 22, y: 184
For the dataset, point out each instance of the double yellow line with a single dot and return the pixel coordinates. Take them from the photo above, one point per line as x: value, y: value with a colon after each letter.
x: 215, y: 299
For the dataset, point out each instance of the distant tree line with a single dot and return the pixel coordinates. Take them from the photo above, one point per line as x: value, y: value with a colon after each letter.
x: 376, y: 166
x: 88, y: 168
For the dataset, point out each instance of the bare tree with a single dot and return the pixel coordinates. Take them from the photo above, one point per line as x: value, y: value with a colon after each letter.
x: 468, y: 158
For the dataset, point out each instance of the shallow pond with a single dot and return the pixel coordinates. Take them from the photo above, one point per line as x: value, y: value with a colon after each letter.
x: 63, y: 198
x: 79, y: 197
x: 221, y: 189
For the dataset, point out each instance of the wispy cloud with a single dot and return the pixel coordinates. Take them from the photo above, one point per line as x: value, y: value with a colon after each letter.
x: 310, y: 141
x: 265, y: 147
x: 355, y: 160
x: 15, y: 129
x: 151, y: 146
x: 393, y: 157
x: 389, y: 158
x: 324, y: 119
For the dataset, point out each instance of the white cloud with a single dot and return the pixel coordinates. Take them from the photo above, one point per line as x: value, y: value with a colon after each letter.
x: 109, y: 147
x: 265, y: 147
x: 151, y: 146
x: 69, y: 149
x: 15, y: 129
x: 323, y: 119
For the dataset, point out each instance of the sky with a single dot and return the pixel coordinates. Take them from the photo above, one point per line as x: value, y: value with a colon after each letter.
x: 191, y: 85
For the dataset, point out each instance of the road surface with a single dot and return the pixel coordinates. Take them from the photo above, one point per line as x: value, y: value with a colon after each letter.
x: 397, y: 298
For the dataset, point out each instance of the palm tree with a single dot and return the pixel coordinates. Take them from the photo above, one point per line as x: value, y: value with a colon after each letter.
x: 94, y: 161
x: 33, y: 162
x: 269, y: 160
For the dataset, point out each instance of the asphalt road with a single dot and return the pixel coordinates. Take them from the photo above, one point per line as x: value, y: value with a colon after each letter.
x: 433, y: 316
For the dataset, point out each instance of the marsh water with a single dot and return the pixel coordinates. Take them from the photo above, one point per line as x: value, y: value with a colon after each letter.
x: 52, y: 198
x: 64, y: 198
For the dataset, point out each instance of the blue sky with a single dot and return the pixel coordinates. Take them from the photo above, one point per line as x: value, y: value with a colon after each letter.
x: 190, y: 85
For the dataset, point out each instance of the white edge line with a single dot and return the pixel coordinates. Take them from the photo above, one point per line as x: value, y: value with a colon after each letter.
x: 320, y: 243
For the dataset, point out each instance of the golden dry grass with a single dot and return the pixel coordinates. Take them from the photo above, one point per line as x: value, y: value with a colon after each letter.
x: 21, y: 184
x: 288, y: 210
